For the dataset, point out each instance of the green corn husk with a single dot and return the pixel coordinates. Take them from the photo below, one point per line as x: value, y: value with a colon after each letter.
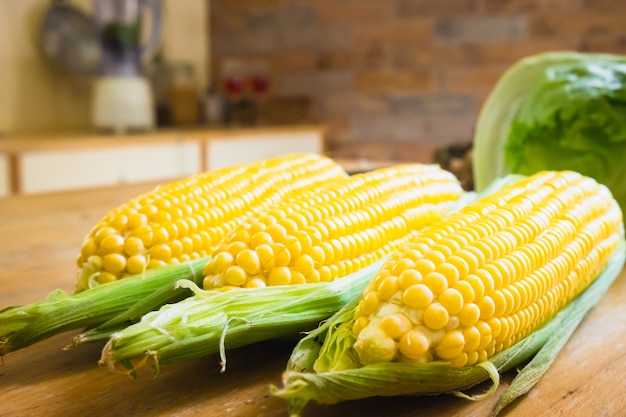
x: 324, y: 368
x: 212, y: 320
x: 106, y: 307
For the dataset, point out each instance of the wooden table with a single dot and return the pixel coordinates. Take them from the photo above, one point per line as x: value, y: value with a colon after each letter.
x: 39, y: 239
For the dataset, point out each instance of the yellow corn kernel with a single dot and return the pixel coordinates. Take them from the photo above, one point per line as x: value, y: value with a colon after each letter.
x: 513, y: 260
x: 369, y: 303
x: 408, y: 278
x: 104, y: 277
x: 435, y: 316
x: 344, y: 227
x: 235, y: 276
x: 136, y: 264
x: 395, y: 325
x: 281, y: 275
x: 260, y: 238
x: 381, y: 347
x: 133, y: 246
x: 452, y: 300
x: 249, y: 261
x: 417, y: 296
x: 414, y: 344
x: 114, y: 263
x: 88, y: 248
x: 450, y: 345
x: 187, y: 219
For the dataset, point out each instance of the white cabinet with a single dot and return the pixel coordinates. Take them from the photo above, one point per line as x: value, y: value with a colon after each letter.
x: 230, y: 150
x: 55, y: 170
x: 47, y: 164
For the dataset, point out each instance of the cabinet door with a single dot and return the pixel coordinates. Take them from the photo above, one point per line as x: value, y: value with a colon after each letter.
x: 55, y: 170
x: 232, y: 150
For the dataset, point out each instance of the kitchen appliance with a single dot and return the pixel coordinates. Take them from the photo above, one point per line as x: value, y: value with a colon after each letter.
x: 106, y: 48
x: 122, y: 96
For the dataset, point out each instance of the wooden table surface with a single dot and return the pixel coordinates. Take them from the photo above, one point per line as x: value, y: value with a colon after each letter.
x: 39, y: 239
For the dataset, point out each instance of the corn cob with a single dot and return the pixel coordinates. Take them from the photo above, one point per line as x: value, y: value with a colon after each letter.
x: 470, y: 297
x: 184, y: 220
x: 320, y: 236
x: 156, y: 239
x: 308, y: 241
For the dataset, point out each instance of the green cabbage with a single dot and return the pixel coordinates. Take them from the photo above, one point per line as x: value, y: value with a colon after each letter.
x: 556, y: 111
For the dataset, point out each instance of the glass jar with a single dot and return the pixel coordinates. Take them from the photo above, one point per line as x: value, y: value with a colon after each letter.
x: 184, y: 96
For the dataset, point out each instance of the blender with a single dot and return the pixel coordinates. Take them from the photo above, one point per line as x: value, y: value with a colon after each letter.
x: 122, y: 96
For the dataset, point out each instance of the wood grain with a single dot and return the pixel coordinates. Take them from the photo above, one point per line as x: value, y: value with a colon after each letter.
x: 39, y: 240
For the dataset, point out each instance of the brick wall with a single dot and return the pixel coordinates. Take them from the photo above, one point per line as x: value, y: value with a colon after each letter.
x: 395, y: 79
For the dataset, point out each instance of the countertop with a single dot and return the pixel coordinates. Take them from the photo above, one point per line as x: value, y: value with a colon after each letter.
x: 39, y: 240
x: 55, y: 140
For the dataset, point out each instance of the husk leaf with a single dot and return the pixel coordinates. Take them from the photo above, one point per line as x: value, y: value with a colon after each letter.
x: 210, y: 321
x: 117, y: 303
x: 323, y: 366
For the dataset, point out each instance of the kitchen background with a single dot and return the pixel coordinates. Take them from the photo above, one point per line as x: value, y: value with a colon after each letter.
x: 396, y: 78
x: 392, y: 79
x: 34, y: 95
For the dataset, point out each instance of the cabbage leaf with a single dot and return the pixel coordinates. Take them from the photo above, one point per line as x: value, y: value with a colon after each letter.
x: 556, y: 111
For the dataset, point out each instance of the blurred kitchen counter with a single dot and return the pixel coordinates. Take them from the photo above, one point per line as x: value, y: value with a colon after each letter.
x: 61, y: 161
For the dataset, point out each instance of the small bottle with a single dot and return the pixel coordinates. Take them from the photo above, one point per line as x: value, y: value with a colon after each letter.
x: 184, y: 96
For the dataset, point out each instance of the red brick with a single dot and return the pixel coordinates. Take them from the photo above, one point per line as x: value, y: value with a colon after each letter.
x: 433, y: 104
x: 388, y: 81
x: 243, y: 5
x: 604, y: 4
x: 228, y: 22
x: 529, y: 6
x: 317, y: 39
x: 326, y: 60
x: 351, y: 102
x: 510, y: 52
x: 292, y: 60
x: 393, y: 128
x: 313, y: 83
x: 576, y: 24
x: 374, y: 56
x: 476, y: 80
x: 411, y: 8
x: 430, y: 56
x: 306, y: 60
x: 604, y: 43
x: 291, y: 16
x: 481, y: 28
x: 416, y: 31
x: 246, y: 42
x: 364, y: 11
x: 446, y: 130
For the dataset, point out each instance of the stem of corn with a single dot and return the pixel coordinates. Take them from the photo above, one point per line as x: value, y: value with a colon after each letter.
x: 211, y: 320
x: 107, y: 306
